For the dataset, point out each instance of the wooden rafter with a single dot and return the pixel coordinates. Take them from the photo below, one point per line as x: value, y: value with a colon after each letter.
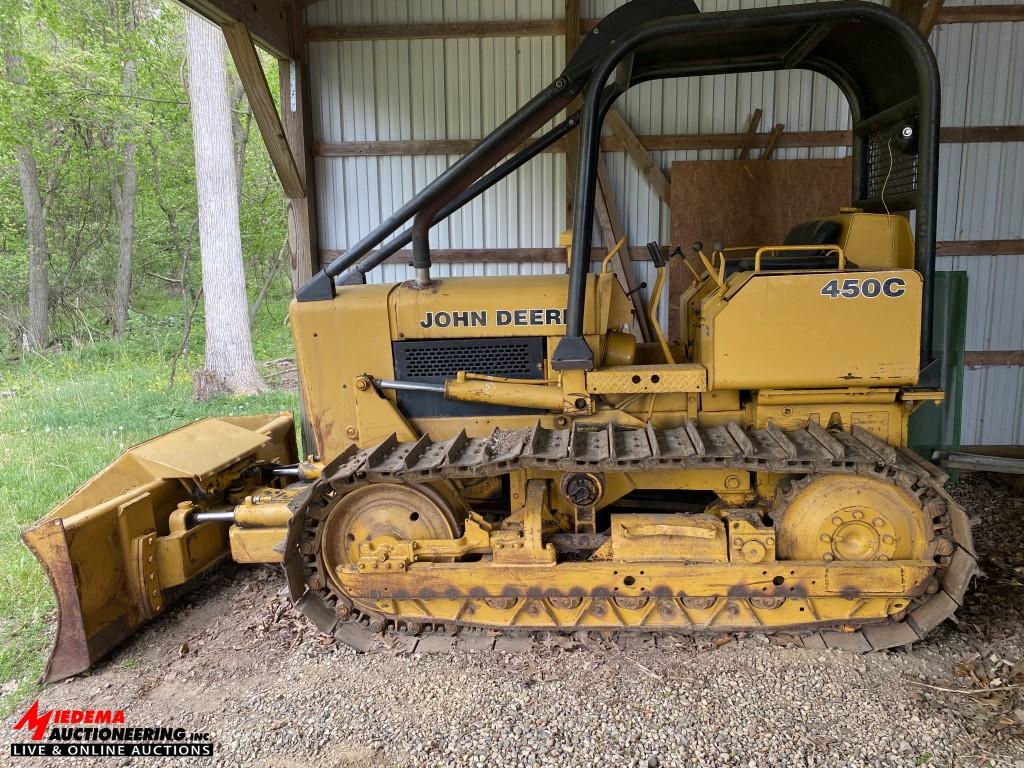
x: 254, y: 80
x: 269, y: 21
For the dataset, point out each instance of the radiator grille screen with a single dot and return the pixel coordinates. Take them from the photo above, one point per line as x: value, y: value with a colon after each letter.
x: 887, y: 168
x: 435, y: 361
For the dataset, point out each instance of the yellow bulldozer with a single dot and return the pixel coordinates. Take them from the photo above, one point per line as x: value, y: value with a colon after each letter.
x: 502, y: 455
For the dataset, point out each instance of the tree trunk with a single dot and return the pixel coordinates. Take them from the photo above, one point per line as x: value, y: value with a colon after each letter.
x: 124, y: 196
x: 38, y: 331
x: 230, y: 365
x: 240, y: 130
x: 126, y: 223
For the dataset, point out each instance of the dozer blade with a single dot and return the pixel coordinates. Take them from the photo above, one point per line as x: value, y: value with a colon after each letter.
x: 121, y: 547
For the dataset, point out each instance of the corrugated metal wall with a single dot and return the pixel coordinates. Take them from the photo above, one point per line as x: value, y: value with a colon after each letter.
x: 982, y: 198
x: 452, y: 89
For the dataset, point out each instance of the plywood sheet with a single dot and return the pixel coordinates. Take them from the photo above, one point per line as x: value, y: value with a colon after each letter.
x: 747, y: 202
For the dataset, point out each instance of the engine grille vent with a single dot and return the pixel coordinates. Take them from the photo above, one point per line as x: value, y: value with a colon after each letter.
x: 435, y: 361
x: 443, y: 359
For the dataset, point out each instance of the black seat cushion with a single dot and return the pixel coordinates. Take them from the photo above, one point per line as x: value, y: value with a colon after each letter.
x: 814, y: 232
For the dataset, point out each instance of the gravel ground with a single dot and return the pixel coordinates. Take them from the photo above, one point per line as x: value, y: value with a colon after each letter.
x: 234, y: 661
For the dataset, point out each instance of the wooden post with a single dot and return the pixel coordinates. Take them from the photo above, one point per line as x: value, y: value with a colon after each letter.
x: 297, y: 117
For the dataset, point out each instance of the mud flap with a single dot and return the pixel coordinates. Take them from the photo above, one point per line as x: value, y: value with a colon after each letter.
x: 118, y: 551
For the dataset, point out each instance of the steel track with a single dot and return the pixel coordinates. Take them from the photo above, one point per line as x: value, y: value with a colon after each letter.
x: 802, y: 453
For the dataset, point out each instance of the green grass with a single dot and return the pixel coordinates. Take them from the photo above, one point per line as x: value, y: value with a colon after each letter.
x: 65, y: 416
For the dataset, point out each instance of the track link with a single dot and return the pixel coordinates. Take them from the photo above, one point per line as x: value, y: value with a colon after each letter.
x: 802, y: 453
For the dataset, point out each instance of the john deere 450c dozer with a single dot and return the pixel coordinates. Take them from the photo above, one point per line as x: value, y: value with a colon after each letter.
x: 500, y: 454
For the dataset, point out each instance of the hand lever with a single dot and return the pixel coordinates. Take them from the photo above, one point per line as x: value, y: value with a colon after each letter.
x: 656, y: 255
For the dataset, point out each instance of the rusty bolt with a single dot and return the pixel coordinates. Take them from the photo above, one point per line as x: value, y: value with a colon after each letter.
x: 732, y: 482
x: 561, y: 421
x: 944, y: 547
x: 352, y: 432
x: 837, y: 520
x: 362, y: 384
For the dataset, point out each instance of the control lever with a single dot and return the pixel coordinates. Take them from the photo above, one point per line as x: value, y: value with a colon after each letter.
x: 635, y: 290
x: 658, y: 257
x: 656, y: 254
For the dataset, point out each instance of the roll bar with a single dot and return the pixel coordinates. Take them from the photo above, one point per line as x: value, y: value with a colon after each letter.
x: 882, y: 64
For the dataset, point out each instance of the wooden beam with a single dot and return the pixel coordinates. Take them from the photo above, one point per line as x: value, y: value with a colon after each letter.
x: 751, y: 135
x: 980, y: 248
x: 556, y: 27
x: 772, y: 142
x: 296, y: 117
x: 655, y: 143
x: 930, y: 16
x: 994, y: 357
x: 611, y: 232
x: 499, y: 255
x: 982, y: 134
x: 654, y: 175
x: 440, y: 30
x: 978, y: 14
x: 911, y: 10
x: 469, y: 255
x: 269, y: 21
x: 639, y: 253
x: 254, y: 80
